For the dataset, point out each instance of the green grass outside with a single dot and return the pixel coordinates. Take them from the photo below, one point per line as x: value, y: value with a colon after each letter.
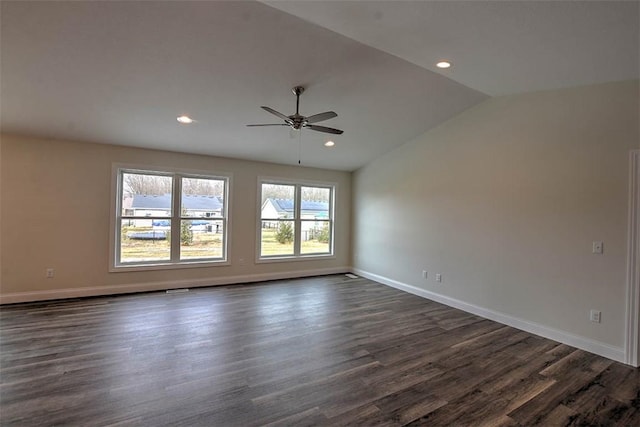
x: 205, y: 245
x: 270, y: 246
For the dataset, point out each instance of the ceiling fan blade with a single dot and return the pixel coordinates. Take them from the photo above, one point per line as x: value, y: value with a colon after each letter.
x: 325, y: 129
x: 275, y: 113
x: 322, y: 116
x: 270, y: 124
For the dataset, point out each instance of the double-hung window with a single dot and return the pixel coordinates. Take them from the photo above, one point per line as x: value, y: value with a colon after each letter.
x: 296, y: 220
x: 169, y: 218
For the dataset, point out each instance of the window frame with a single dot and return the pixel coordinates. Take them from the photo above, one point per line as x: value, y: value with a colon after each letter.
x: 174, y: 262
x: 297, y: 220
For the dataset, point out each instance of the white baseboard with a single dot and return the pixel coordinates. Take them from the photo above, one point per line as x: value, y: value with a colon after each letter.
x: 17, y: 297
x: 596, y: 347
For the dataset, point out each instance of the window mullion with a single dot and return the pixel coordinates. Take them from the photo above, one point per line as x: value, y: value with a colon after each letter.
x: 332, y: 199
x: 296, y: 220
x: 176, y: 217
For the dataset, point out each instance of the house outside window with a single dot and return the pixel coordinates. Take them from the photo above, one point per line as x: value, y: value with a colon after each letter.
x: 167, y: 219
x: 296, y: 220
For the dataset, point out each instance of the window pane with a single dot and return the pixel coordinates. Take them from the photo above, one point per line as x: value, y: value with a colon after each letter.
x: 316, y: 237
x: 146, y: 195
x: 201, y: 239
x: 315, y: 203
x: 278, y: 201
x: 202, y: 198
x: 144, y: 243
x: 276, y: 238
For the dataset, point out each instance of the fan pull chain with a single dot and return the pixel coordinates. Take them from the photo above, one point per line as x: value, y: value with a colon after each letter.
x: 299, y: 145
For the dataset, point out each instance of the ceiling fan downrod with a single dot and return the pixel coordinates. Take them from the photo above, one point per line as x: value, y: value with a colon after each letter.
x: 297, y: 120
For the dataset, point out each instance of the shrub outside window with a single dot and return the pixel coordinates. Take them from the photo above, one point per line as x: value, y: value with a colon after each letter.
x: 296, y: 220
x: 169, y: 218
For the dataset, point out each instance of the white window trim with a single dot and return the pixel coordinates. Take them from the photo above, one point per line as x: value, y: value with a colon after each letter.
x: 297, y: 240
x: 114, y: 267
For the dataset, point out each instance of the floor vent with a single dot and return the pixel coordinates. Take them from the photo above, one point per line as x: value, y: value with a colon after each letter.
x: 177, y: 291
x: 351, y: 276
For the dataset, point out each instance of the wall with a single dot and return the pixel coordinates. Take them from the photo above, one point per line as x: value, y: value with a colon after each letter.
x: 55, y: 212
x: 504, y: 201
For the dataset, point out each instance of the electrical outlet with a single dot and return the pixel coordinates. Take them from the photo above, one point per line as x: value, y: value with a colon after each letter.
x: 424, y: 274
x: 439, y: 277
x: 598, y: 247
x: 50, y: 273
x: 595, y: 316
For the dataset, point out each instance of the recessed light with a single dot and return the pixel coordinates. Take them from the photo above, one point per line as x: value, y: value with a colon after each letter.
x: 329, y: 144
x: 185, y: 120
x: 443, y: 64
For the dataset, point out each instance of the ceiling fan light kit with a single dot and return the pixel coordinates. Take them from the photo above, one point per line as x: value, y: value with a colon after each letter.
x: 297, y: 121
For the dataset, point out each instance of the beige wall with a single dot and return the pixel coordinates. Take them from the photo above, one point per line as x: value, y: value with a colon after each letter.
x: 55, y: 212
x: 505, y: 200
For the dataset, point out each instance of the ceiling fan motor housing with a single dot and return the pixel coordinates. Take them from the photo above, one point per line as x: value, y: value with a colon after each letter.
x: 298, y: 121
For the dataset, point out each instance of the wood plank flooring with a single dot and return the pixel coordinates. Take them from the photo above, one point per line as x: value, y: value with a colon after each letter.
x: 321, y: 351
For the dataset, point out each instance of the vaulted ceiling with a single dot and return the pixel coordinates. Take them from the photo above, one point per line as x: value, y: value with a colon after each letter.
x: 121, y: 72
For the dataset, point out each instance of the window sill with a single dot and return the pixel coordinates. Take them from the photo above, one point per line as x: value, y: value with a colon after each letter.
x: 292, y: 258
x: 167, y: 266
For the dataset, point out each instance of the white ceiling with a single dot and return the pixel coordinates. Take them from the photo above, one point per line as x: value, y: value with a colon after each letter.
x: 120, y: 72
x: 497, y: 47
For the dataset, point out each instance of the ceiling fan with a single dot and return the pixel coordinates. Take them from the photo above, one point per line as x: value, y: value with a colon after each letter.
x: 297, y: 122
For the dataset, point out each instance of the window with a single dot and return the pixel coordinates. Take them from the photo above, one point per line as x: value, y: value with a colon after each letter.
x: 169, y: 218
x: 296, y: 220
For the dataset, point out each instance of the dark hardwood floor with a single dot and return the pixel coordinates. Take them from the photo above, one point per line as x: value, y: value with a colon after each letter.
x: 320, y: 351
